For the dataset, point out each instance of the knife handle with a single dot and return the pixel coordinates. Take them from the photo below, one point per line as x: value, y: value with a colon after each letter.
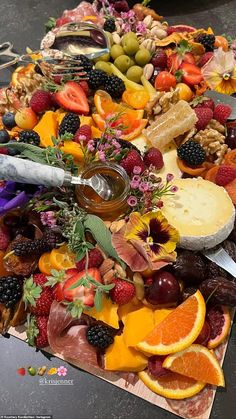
x: 26, y: 171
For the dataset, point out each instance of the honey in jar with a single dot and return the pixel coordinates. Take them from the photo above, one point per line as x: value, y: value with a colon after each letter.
x: 118, y: 181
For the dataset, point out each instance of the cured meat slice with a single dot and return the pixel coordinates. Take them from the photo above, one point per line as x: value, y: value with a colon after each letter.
x: 68, y: 338
x: 194, y: 406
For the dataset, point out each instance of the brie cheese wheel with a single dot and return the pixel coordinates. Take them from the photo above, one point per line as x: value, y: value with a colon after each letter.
x: 201, y: 211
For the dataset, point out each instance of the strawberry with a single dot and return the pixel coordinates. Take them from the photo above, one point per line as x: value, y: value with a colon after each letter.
x: 159, y: 59
x: 181, y: 54
x: 40, y: 101
x: 3, y: 150
x: 222, y: 112
x: 37, y: 331
x: 95, y: 260
x: 57, y: 281
x: 71, y: 97
x: 204, y: 102
x: 189, y: 74
x: 4, y: 238
x: 153, y: 157
x: 37, y: 295
x: 204, y: 116
x: 205, y: 58
x: 131, y: 160
x: 82, y: 293
x: 225, y: 175
x: 123, y: 291
x: 83, y: 134
x: 85, y: 86
x: 21, y: 371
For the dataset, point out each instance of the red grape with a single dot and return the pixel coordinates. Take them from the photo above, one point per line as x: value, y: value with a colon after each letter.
x: 230, y: 139
x: 165, y: 289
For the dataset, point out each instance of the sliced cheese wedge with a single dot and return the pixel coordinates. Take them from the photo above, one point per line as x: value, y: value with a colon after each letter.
x: 201, y: 211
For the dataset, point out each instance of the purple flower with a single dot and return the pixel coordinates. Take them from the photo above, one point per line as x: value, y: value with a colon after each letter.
x: 174, y: 189
x: 102, y: 156
x: 137, y: 170
x: 13, y: 195
x: 132, y: 201
x: 48, y: 218
x: 141, y: 27
x: 169, y: 177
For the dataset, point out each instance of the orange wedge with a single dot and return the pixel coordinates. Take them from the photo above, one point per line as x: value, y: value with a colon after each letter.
x: 196, y: 362
x: 44, y: 263
x: 61, y: 258
x: 172, y: 386
x: 178, y: 330
x: 137, y: 100
x: 104, y: 103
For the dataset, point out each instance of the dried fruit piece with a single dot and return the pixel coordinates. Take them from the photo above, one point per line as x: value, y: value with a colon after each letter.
x: 219, y: 290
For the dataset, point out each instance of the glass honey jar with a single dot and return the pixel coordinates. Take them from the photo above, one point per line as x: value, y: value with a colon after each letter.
x: 118, y: 181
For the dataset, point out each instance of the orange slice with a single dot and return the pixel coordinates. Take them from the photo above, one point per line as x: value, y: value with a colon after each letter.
x: 104, y: 103
x: 172, y: 386
x: 61, y: 258
x: 225, y: 323
x: 196, y: 362
x: 137, y: 100
x: 178, y: 330
x: 44, y: 263
x: 99, y: 121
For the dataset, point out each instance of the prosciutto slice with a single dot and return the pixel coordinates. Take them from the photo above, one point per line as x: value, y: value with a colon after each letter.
x: 68, y: 338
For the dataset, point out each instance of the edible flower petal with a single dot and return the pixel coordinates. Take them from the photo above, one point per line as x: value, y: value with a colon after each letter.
x: 220, y: 72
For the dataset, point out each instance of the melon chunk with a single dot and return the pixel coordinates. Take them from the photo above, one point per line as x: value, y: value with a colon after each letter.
x: 120, y: 357
x: 137, y: 325
x: 107, y: 315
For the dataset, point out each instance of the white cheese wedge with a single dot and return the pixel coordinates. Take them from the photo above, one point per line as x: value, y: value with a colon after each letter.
x: 170, y: 162
x: 201, y: 211
x: 141, y: 142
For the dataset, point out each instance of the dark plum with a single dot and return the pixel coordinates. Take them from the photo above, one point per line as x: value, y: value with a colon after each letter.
x: 230, y: 139
x: 164, y: 289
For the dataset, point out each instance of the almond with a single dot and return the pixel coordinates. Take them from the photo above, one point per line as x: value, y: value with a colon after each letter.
x: 106, y: 266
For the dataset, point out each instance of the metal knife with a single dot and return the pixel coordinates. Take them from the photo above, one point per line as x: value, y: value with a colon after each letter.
x: 222, y: 98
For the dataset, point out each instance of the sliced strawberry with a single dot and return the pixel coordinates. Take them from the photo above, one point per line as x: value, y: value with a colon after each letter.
x: 191, y: 74
x: 58, y: 288
x: 85, y: 294
x: 175, y: 60
x: 72, y: 98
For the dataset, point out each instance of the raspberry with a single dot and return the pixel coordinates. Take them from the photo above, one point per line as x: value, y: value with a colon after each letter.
x: 123, y: 291
x: 83, y: 134
x: 3, y: 150
x: 204, y: 116
x: 225, y: 175
x: 84, y: 85
x: 40, y: 101
x: 95, y: 260
x: 205, y: 58
x: 159, y: 59
x: 209, y: 103
x: 132, y: 159
x: 4, y: 238
x: 153, y: 157
x: 222, y: 112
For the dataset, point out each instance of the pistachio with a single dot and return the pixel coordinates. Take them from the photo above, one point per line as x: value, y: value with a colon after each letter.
x: 148, y: 71
x: 149, y: 44
x: 148, y: 20
x: 158, y: 33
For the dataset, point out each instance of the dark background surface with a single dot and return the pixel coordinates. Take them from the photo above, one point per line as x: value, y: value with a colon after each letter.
x: 21, y: 22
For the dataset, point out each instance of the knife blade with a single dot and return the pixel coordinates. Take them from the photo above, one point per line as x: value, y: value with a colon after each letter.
x: 222, y: 98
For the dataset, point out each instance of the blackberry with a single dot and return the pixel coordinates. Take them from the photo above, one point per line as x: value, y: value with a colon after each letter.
x: 10, y: 290
x: 207, y: 41
x: 8, y: 120
x: 114, y: 86
x: 36, y: 247
x: 70, y: 124
x: 99, y: 336
x: 4, y: 136
x: 96, y: 79
x: 109, y: 25
x: 85, y: 62
x: 192, y: 153
x: 29, y: 136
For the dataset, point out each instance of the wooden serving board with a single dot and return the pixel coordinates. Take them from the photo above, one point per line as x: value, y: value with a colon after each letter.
x: 184, y: 408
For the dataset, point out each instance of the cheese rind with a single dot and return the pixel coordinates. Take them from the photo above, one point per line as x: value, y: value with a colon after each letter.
x: 201, y: 211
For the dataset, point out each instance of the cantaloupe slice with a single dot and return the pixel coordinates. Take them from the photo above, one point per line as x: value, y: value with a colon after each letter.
x: 137, y: 325
x: 46, y: 128
x: 107, y: 315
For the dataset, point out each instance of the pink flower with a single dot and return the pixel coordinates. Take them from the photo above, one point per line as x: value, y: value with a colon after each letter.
x: 132, y: 201
x: 118, y: 133
x: 48, y: 218
x: 62, y: 371
x: 136, y: 178
x: 174, y: 189
x: 90, y: 145
x: 82, y: 137
x: 102, y: 156
x: 169, y: 177
x: 134, y: 184
x: 137, y: 170
x: 141, y: 27
x: 144, y: 187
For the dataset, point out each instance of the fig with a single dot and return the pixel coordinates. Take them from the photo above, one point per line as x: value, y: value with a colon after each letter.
x: 189, y: 267
x: 219, y: 290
